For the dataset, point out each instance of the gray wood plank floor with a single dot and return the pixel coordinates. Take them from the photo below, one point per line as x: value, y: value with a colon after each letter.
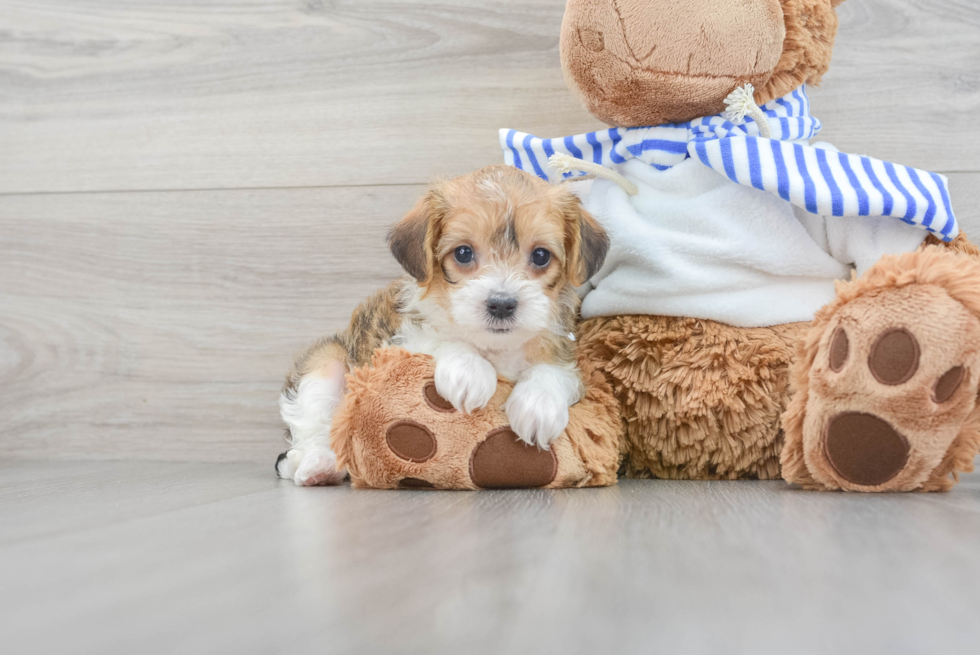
x: 207, y: 558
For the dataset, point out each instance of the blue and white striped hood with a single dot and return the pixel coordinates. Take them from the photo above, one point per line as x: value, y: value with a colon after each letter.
x: 819, y: 180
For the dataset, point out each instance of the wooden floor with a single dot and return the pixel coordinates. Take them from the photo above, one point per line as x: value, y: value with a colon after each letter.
x: 158, y: 557
x: 191, y: 190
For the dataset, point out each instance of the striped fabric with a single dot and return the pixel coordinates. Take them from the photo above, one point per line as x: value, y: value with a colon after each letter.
x: 821, y: 181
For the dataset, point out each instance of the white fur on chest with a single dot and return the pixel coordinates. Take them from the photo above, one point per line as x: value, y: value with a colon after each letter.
x: 427, y: 329
x: 427, y: 339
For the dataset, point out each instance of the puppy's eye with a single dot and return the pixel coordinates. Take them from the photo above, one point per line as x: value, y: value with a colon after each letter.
x: 463, y: 254
x: 540, y: 257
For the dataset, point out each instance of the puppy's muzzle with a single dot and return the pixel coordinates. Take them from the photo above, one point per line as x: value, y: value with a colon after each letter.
x: 501, y: 307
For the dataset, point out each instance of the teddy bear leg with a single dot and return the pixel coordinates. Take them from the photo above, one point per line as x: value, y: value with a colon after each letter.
x: 700, y: 400
x: 886, y: 378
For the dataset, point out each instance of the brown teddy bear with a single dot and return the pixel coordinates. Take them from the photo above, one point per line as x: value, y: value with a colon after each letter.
x: 720, y: 318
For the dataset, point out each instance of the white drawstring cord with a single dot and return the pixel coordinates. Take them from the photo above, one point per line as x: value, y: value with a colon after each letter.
x: 563, y: 163
x: 741, y: 102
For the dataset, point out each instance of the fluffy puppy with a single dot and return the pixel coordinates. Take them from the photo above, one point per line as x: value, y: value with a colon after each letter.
x: 494, y: 257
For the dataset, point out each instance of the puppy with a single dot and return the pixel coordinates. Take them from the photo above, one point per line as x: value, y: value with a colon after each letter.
x: 494, y: 257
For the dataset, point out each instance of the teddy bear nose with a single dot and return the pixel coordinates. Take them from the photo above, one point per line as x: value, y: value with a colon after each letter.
x: 501, y: 306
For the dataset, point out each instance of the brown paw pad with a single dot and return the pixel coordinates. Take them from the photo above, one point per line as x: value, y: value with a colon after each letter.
x: 503, y: 461
x: 894, y: 357
x: 434, y: 400
x: 948, y: 384
x: 411, y: 441
x: 840, y: 346
x: 415, y: 483
x: 864, y: 449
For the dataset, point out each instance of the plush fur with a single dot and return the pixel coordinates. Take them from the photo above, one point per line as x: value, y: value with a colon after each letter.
x: 811, y: 28
x: 704, y: 400
x: 701, y: 399
x: 647, y: 62
x: 911, y: 291
x: 392, y: 391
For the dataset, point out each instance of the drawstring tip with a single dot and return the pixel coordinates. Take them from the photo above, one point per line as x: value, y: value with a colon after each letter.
x: 562, y: 163
x: 741, y: 103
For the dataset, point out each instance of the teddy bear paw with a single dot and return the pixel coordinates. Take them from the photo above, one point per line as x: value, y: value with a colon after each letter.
x: 895, y: 376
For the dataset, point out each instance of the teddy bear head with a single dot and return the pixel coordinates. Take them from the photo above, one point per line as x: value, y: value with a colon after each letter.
x: 637, y: 63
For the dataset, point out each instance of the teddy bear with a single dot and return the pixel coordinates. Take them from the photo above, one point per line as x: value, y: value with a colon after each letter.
x: 768, y: 308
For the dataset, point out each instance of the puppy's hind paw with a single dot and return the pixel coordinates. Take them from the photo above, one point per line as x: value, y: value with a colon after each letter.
x: 315, y: 467
x: 286, y: 466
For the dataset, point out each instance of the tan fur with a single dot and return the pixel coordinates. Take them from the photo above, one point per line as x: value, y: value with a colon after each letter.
x: 504, y: 213
x: 701, y: 399
x: 959, y: 244
x: 945, y: 279
x: 372, y: 324
x: 636, y: 63
x: 811, y: 28
x: 391, y: 390
x: 501, y: 212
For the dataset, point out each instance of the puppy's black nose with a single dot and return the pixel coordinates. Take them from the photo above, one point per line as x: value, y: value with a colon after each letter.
x: 501, y: 306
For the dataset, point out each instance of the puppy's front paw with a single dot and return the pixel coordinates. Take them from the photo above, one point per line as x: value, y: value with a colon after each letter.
x: 466, y: 380
x: 316, y: 467
x: 537, y: 414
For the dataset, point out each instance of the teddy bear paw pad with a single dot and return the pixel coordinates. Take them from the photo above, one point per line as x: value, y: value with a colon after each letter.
x: 411, y: 441
x: 503, y: 461
x: 865, y: 450
x: 434, y: 400
x: 415, y: 483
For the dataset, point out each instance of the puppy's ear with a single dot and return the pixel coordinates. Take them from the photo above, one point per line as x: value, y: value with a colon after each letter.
x: 413, y: 238
x: 586, y: 241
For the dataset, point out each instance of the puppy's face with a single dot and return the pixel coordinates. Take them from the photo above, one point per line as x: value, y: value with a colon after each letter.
x: 499, y: 251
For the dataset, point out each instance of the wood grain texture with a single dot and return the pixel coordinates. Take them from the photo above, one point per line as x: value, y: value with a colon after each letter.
x: 102, y: 95
x: 181, y: 558
x: 159, y: 325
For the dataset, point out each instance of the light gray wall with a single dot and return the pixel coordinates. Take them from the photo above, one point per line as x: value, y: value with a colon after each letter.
x: 190, y: 191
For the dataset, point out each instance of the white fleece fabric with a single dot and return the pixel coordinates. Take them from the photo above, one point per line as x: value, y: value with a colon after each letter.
x: 692, y: 243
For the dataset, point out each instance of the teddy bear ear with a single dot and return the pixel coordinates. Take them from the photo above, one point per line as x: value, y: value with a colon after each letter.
x: 412, y: 240
x: 811, y: 28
